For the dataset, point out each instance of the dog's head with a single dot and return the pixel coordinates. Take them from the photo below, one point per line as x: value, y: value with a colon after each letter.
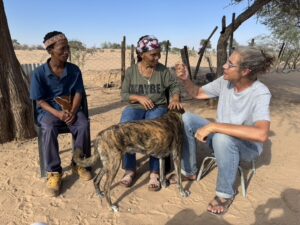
x: 175, y: 113
x: 64, y: 102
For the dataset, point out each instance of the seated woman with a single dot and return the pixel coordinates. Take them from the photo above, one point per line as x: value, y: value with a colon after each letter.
x: 144, y: 88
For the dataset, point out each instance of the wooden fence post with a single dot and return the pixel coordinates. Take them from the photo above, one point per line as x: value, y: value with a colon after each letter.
x: 167, y: 51
x: 210, y: 65
x: 123, y: 58
x: 202, y: 50
x: 132, y: 61
x: 231, y: 35
x: 185, y: 59
x: 280, y: 54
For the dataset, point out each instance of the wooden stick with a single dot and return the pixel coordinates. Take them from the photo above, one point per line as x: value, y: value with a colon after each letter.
x: 231, y: 35
x: 185, y: 59
x: 202, y: 50
x: 167, y: 51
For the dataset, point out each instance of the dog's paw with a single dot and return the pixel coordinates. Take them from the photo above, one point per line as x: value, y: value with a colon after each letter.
x: 101, y: 194
x: 115, y: 208
x: 185, y: 193
x: 165, y: 183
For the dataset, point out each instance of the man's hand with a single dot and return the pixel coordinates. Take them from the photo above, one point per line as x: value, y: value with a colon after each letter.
x: 68, y: 118
x: 71, y: 118
x: 202, y: 133
x: 181, y: 71
x: 62, y: 115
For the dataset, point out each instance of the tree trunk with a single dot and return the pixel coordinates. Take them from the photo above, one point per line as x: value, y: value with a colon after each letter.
x: 16, y: 116
x: 225, y: 34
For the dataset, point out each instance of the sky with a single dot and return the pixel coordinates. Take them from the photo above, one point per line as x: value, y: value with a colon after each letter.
x: 183, y: 22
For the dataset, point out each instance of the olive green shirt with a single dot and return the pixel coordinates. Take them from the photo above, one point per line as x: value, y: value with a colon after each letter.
x: 136, y: 84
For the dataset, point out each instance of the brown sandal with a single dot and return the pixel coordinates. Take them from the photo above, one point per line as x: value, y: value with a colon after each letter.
x: 219, y: 203
x: 127, y: 179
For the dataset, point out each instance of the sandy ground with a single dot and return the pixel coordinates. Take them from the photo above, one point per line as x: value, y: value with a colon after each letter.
x: 273, y: 197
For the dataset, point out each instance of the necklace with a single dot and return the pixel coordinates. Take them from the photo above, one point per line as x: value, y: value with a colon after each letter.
x: 145, y: 75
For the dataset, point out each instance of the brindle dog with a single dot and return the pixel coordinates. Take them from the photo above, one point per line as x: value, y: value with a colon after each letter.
x: 158, y: 138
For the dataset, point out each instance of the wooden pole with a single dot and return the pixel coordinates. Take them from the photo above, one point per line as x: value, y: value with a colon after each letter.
x: 280, y: 54
x: 223, y: 25
x: 209, y: 64
x: 132, y: 61
x: 231, y: 35
x: 202, y: 50
x: 123, y: 58
x: 185, y: 59
x: 167, y: 51
x: 281, y: 50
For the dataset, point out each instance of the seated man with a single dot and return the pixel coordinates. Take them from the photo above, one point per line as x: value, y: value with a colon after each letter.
x: 243, y: 120
x: 57, y: 77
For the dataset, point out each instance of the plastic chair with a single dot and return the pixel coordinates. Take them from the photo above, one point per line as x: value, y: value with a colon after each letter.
x: 209, y: 162
x: 61, y: 130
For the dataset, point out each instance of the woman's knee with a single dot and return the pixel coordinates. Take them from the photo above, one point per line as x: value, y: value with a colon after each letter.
x: 131, y: 114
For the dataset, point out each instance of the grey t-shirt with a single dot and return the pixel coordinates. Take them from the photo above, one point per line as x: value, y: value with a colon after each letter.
x: 244, y: 108
x: 135, y: 84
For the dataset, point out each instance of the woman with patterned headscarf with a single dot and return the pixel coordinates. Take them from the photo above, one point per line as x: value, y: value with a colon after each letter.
x: 144, y: 89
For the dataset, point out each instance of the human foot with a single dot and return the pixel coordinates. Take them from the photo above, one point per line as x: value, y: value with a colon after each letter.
x: 173, y: 179
x: 154, y: 183
x: 219, y: 206
x: 127, y: 179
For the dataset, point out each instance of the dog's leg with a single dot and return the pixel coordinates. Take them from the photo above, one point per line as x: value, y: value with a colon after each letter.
x: 177, y: 166
x: 115, y: 161
x: 162, y: 175
x: 97, y: 181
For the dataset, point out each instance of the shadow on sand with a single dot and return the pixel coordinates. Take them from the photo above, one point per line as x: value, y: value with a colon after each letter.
x: 189, y: 217
x: 283, y: 210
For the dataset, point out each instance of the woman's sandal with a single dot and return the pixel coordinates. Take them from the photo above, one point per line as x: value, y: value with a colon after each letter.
x: 127, y: 179
x: 154, y: 183
x: 219, y: 203
x: 172, y: 178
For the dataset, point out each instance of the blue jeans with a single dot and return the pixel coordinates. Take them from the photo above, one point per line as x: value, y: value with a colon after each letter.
x: 130, y: 114
x: 228, y: 150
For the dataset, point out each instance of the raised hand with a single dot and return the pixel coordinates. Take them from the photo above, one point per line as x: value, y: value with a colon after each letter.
x: 181, y: 71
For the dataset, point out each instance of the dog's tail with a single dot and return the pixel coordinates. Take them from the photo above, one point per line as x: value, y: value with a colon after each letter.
x: 77, y: 158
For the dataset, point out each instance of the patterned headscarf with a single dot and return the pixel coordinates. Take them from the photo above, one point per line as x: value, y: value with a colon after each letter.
x: 147, y: 43
x: 54, y: 39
